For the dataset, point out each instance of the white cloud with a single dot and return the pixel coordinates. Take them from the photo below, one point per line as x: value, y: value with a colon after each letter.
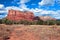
x: 39, y: 12
x: 13, y: 7
x: 35, y: 10
x: 22, y: 8
x: 22, y: 4
x: 1, y: 6
x: 47, y: 2
x: 3, y: 12
x: 24, y: 1
x: 2, y: 9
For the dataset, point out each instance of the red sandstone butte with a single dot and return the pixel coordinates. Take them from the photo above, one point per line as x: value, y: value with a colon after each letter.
x: 17, y: 15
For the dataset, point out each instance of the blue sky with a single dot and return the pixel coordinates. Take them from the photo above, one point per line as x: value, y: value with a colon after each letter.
x: 38, y: 7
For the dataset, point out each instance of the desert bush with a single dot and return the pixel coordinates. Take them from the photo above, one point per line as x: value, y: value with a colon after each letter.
x: 0, y: 21
x: 25, y: 22
x: 58, y: 22
x: 39, y: 22
x: 51, y: 22
x: 8, y: 22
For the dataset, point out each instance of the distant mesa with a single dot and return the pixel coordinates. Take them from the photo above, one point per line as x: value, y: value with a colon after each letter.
x: 45, y: 18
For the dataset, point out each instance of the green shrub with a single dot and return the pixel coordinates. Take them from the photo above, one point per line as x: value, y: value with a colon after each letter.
x: 51, y: 22
x: 25, y: 22
x: 0, y: 21
x: 39, y: 22
x: 58, y: 22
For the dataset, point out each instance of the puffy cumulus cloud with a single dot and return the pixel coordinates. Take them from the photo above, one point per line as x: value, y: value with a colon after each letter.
x: 24, y: 1
x: 17, y: 8
x: 22, y: 4
x: 12, y: 7
x: 3, y: 12
x: 40, y: 12
x: 1, y: 6
x: 47, y: 2
x: 57, y: 16
x: 24, y: 7
x: 18, y: 2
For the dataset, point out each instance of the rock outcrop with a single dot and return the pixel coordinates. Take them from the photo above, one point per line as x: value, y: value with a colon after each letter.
x: 16, y: 15
x: 45, y: 18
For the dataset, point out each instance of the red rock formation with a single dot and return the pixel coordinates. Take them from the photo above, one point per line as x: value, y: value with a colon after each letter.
x: 16, y: 15
x: 45, y: 18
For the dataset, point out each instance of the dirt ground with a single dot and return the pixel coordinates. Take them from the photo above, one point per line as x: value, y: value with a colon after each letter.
x: 30, y: 32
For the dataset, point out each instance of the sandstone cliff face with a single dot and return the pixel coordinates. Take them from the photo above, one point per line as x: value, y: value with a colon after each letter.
x: 16, y: 15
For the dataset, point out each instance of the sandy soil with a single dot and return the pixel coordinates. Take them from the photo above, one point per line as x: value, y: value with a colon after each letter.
x: 30, y: 32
